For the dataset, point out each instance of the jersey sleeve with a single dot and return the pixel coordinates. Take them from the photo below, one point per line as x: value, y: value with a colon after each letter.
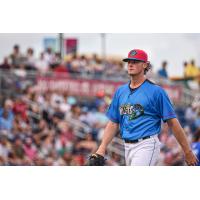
x: 164, y: 106
x: 113, y: 110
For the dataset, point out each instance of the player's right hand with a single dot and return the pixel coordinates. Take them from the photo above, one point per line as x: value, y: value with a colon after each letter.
x: 101, y: 150
x: 191, y: 159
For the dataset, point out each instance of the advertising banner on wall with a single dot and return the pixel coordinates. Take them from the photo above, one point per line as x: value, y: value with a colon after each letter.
x: 50, y: 43
x: 71, y: 45
x: 87, y: 87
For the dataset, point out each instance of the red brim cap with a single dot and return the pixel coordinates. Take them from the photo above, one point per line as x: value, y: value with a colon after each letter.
x: 137, y: 54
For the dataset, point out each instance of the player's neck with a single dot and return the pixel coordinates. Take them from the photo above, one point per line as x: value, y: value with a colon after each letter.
x: 137, y: 81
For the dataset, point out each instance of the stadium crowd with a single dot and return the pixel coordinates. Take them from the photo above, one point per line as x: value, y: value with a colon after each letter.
x: 35, y: 129
x: 50, y: 62
x: 38, y: 129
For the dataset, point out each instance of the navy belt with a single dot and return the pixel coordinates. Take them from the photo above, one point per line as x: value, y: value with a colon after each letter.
x: 135, y: 141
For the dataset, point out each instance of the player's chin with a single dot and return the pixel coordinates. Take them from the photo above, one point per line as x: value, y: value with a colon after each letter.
x: 131, y: 74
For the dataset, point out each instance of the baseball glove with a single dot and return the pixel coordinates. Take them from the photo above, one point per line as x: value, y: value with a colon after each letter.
x: 96, y: 160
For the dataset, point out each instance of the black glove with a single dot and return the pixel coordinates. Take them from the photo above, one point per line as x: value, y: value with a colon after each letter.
x: 96, y: 160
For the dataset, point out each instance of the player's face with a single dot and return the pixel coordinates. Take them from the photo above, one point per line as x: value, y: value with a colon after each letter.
x: 136, y: 67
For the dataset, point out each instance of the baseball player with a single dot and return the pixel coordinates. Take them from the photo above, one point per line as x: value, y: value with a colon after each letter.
x: 138, y: 108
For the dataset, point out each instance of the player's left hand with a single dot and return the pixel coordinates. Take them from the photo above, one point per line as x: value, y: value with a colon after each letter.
x: 96, y: 160
x: 191, y: 159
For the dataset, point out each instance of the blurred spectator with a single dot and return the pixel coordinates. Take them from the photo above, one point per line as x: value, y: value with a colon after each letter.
x: 6, y: 120
x: 185, y: 64
x: 75, y: 112
x: 99, y: 99
x: 49, y: 56
x: 56, y: 99
x: 190, y: 116
x: 18, y: 148
x: 20, y: 107
x: 190, y: 113
x: 196, y: 145
x: 191, y: 75
x: 101, y: 117
x: 163, y: 71
x: 174, y: 154
x: 42, y: 64
x: 98, y: 68
x: 16, y: 57
x: 75, y: 67
x: 30, y: 60
x: 29, y: 148
x: 114, y: 160
x: 191, y: 70
x: 87, y: 145
x: 6, y: 115
x: 20, y: 71
x: 57, y: 59
x: 5, y: 65
x: 197, y: 121
x: 93, y: 60
x: 84, y: 63
x: 5, y: 148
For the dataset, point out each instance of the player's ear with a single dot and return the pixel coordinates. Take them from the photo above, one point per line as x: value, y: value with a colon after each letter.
x: 145, y: 65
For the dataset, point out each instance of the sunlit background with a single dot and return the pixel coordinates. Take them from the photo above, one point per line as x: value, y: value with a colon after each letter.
x: 176, y: 48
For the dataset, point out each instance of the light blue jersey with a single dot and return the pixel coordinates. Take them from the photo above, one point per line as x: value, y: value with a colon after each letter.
x: 139, y: 112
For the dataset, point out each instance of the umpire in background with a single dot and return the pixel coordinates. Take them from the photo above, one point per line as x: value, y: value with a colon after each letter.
x: 138, y: 108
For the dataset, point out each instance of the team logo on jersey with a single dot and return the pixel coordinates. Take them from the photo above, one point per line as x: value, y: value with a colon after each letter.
x: 133, y: 111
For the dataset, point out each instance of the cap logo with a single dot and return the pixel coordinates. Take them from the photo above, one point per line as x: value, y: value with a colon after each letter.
x: 133, y: 53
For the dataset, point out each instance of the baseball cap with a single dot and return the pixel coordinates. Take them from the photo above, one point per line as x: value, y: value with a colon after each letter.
x: 137, y: 54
